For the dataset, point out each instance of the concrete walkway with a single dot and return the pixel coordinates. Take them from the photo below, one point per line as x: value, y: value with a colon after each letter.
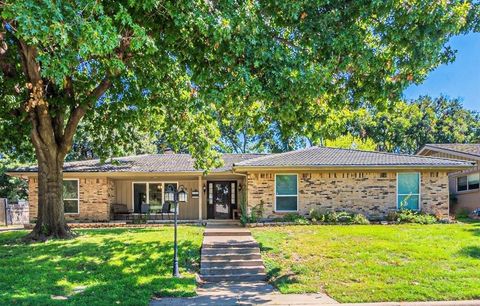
x: 229, y: 253
x: 244, y: 293
x: 233, y: 271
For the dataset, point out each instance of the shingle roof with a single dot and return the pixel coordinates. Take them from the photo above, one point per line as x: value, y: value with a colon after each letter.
x: 333, y: 157
x: 147, y: 163
x: 466, y: 148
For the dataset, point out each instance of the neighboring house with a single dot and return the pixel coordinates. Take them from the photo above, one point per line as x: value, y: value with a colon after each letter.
x: 464, y: 184
x: 371, y: 183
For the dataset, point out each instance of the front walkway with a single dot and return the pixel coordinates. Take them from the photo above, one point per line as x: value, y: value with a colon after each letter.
x: 244, y: 293
x: 233, y: 272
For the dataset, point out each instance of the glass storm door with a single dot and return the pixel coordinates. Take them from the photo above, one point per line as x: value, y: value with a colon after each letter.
x: 219, y: 200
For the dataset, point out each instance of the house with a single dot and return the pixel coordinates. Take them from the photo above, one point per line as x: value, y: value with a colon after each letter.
x: 464, y: 184
x: 371, y: 183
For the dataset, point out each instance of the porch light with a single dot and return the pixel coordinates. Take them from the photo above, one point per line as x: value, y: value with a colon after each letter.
x: 170, y: 193
x: 182, y: 194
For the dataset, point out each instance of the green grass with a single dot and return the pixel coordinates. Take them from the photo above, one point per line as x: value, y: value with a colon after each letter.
x: 367, y: 263
x: 117, y: 266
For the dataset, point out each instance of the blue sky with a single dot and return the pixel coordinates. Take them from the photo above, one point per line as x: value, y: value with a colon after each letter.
x: 460, y: 79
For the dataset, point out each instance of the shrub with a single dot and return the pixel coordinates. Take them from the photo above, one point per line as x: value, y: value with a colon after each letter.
x: 411, y: 216
x: 360, y: 219
x: 334, y: 217
x: 294, y: 217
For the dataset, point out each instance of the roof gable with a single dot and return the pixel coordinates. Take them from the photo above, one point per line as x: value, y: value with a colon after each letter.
x: 468, y: 150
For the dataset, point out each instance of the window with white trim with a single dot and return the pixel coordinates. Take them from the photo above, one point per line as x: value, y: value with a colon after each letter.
x: 286, y: 192
x: 71, y: 196
x: 152, y: 194
x: 408, y: 191
x: 468, y: 182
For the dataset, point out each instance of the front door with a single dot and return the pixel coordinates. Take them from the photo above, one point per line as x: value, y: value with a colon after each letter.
x: 219, y: 200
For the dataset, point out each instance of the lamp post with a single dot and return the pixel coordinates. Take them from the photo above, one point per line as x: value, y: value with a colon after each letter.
x: 172, y: 195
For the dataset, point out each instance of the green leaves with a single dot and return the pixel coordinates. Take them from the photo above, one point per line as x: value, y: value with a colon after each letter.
x: 189, y: 69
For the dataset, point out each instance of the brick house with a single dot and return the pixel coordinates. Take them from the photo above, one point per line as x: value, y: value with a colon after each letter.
x: 372, y: 183
x: 464, y: 184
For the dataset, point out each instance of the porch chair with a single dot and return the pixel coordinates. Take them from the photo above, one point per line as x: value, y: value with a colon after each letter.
x: 120, y: 212
x: 166, y: 210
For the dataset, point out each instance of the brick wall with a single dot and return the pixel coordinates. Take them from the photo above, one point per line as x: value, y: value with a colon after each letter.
x: 369, y: 193
x: 96, y: 195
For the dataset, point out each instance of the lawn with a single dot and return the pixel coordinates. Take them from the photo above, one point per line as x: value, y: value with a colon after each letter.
x: 111, y: 266
x: 366, y: 263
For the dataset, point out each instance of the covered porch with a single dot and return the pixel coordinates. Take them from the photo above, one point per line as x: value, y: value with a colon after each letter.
x: 144, y: 199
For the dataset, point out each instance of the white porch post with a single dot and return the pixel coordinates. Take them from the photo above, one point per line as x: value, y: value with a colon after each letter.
x: 200, y: 197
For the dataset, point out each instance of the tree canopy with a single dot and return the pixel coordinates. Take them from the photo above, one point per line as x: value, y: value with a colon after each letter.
x: 177, y: 67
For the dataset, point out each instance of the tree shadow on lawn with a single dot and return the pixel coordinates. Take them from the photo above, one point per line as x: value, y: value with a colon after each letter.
x: 471, y: 251
x: 113, y: 271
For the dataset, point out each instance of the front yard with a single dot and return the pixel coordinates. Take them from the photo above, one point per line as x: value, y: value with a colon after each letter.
x: 99, y: 267
x: 365, y: 263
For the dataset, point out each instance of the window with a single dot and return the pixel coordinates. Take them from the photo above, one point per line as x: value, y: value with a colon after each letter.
x: 233, y: 193
x: 286, y: 197
x: 408, y: 191
x: 468, y: 182
x: 70, y: 196
x: 151, y: 193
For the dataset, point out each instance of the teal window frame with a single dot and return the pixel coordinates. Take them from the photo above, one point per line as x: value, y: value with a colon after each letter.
x: 285, y: 195
x: 411, y: 194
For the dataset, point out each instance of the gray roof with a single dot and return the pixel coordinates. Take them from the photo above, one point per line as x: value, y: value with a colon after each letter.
x: 333, y: 157
x: 147, y: 163
x: 310, y: 157
x: 465, y: 148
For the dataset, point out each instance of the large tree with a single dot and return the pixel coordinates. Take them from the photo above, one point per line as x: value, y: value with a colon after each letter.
x: 175, y: 66
x: 405, y: 127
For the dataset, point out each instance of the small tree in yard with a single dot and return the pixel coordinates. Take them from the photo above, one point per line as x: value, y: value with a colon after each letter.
x: 174, y: 66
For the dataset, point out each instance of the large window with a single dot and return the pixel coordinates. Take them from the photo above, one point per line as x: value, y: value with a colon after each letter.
x: 286, y: 195
x: 468, y: 182
x: 70, y: 196
x: 408, y: 191
x: 151, y: 193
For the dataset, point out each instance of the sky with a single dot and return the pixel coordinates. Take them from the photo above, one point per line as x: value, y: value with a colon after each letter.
x: 460, y: 79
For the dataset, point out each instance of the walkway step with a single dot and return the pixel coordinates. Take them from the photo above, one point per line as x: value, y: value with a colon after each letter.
x: 218, y: 232
x: 233, y: 270
x: 229, y: 245
x: 229, y: 251
x: 251, y: 256
x: 237, y: 277
x: 228, y: 263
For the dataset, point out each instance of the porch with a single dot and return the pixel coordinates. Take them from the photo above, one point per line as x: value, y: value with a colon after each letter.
x: 145, y: 199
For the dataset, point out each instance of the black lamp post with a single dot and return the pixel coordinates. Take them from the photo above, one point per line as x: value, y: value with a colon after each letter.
x: 172, y: 195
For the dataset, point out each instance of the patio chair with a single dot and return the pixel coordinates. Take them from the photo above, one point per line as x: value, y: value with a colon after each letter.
x: 144, y: 208
x: 120, y: 212
x: 166, y: 210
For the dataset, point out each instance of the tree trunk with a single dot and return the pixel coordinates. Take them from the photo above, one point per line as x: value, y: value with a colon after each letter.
x: 50, y: 217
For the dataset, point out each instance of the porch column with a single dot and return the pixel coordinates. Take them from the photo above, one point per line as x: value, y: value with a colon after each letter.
x: 200, y: 197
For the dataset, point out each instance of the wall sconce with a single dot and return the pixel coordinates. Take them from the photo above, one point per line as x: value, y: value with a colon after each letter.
x: 204, y: 188
x: 240, y: 186
x: 182, y: 194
